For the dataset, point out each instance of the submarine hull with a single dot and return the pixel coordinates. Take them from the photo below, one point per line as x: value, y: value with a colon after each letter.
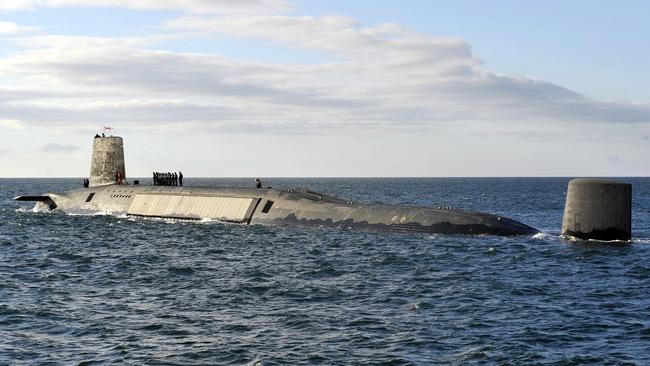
x: 275, y: 207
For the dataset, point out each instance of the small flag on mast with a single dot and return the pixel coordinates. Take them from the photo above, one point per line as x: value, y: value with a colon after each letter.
x: 108, y: 128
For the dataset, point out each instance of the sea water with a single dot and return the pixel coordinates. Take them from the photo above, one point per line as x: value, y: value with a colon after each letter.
x: 114, y: 290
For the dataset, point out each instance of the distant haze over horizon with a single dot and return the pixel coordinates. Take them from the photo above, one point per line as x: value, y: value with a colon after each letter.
x: 357, y: 88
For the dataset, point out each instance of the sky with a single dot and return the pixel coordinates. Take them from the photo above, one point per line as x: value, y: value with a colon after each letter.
x: 355, y: 88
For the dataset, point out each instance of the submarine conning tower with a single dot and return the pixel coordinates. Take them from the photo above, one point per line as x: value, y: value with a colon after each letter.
x: 107, y: 160
x: 598, y: 209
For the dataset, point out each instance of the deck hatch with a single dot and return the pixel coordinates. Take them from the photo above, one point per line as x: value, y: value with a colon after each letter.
x: 267, y: 206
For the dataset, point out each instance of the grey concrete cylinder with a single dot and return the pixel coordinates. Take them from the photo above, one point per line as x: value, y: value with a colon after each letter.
x: 598, y: 209
x: 107, y: 160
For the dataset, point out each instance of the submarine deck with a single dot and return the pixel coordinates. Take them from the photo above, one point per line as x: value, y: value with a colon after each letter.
x: 294, y: 206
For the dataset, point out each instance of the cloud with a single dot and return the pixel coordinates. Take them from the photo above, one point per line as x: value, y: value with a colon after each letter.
x: 62, y: 43
x: 191, y: 6
x: 397, y: 80
x: 387, y: 44
x: 57, y: 148
x: 13, y: 28
x: 408, y: 68
x: 13, y: 124
x: 401, y: 102
x: 381, y: 77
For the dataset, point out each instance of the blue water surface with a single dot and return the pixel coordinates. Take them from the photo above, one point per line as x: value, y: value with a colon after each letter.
x: 114, y: 290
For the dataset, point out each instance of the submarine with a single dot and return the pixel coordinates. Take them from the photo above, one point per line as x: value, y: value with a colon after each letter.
x: 256, y: 206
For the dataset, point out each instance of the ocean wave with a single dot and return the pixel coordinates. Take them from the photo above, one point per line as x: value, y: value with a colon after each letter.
x: 38, y: 208
x: 137, y: 291
x: 541, y: 236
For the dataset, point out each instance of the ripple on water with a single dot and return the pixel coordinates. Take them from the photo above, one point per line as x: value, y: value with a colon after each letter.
x: 115, y: 290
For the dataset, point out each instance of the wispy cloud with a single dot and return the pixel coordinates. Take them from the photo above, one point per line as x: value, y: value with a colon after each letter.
x: 192, y: 6
x: 13, y: 124
x: 57, y: 148
x: 13, y: 28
